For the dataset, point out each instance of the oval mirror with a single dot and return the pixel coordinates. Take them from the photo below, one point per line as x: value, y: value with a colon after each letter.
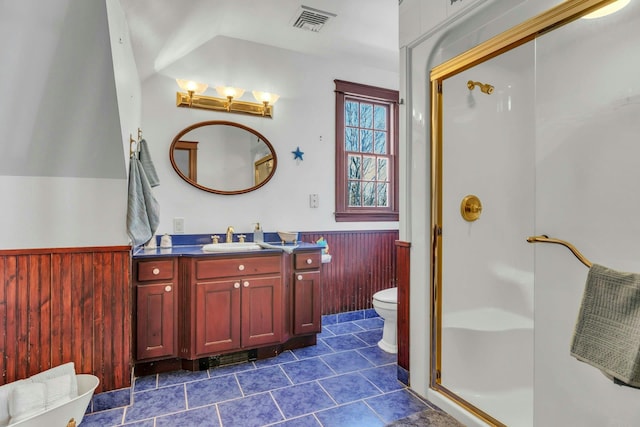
x: 223, y: 157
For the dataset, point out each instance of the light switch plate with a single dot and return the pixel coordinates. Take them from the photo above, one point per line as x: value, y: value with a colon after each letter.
x: 314, y: 201
x: 178, y: 225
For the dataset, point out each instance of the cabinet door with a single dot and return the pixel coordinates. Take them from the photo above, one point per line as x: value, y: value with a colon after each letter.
x: 155, y: 321
x: 217, y: 320
x: 261, y: 310
x: 306, y: 303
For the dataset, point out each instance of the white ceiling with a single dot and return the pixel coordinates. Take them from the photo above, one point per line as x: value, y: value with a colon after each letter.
x: 163, y: 31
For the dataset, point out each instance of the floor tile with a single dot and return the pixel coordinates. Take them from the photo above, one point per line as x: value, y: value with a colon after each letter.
x: 207, y: 416
x: 371, y: 337
x: 378, y: 356
x: 252, y: 411
x: 102, y: 419
x: 263, y: 379
x: 344, y: 342
x: 206, y: 392
x: 350, y: 316
x: 312, y: 351
x: 177, y: 377
x: 148, y: 404
x: 352, y: 415
x: 384, y: 377
x: 344, y: 328
x: 307, y: 370
x: 370, y: 323
x: 304, y: 421
x: 145, y: 383
x: 302, y: 399
x: 349, y: 387
x: 370, y: 312
x: 344, y: 380
x: 329, y: 319
x: 396, y: 405
x: 346, y: 361
x: 111, y: 400
x: 325, y: 333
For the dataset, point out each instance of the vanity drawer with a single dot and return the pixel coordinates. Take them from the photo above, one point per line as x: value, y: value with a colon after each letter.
x: 212, y: 268
x: 155, y: 270
x: 303, y: 261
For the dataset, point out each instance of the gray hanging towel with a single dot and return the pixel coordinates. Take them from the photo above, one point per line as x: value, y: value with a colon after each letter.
x: 143, y: 211
x: 147, y: 164
x: 607, y: 332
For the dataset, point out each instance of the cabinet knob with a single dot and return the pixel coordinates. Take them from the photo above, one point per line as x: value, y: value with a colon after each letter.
x: 241, y: 267
x: 167, y: 288
x: 309, y: 261
x: 156, y: 271
x: 236, y: 285
x: 299, y: 276
x: 246, y: 284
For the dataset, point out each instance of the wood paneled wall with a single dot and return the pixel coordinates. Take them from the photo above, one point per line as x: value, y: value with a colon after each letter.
x: 404, y: 270
x: 363, y: 262
x: 66, y: 305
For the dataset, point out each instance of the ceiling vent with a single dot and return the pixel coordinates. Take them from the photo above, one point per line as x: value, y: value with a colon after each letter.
x: 311, y: 19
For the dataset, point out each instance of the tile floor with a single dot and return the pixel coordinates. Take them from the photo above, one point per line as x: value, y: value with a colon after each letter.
x: 344, y: 380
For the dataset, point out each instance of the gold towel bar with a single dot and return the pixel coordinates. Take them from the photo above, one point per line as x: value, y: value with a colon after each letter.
x: 546, y: 239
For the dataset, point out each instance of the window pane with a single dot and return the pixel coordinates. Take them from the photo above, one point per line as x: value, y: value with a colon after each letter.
x: 381, y: 142
x: 366, y: 141
x: 354, y: 193
x: 351, y: 113
x: 383, y: 170
x: 354, y: 167
x: 383, y: 200
x: 366, y: 115
x: 368, y: 194
x: 368, y: 168
x: 351, y: 139
x: 380, y: 117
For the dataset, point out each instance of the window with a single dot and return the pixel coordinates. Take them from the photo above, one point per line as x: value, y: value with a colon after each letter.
x: 366, y: 153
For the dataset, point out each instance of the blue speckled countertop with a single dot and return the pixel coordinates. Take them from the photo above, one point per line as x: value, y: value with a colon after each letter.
x: 191, y: 245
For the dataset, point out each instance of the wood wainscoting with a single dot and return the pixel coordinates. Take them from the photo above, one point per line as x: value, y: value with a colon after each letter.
x: 404, y: 270
x: 66, y: 305
x: 363, y: 262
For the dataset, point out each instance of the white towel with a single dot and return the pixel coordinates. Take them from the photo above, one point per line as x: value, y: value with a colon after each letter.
x: 143, y: 211
x: 147, y: 163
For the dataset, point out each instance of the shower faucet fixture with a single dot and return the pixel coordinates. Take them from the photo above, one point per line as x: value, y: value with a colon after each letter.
x: 484, y: 87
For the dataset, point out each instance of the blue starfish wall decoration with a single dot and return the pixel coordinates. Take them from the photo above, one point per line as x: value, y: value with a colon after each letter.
x: 297, y: 154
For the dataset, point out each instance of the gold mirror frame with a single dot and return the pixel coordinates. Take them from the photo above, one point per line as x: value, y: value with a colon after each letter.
x: 553, y: 18
x: 179, y: 144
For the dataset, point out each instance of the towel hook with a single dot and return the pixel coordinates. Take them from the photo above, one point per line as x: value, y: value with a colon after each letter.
x: 546, y: 239
x: 132, y: 143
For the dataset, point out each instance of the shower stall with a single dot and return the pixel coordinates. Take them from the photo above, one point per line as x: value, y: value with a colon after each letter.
x: 535, y: 132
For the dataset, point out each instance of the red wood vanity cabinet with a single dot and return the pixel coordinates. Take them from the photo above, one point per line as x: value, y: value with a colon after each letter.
x: 233, y: 303
x: 156, y: 306
x: 194, y: 307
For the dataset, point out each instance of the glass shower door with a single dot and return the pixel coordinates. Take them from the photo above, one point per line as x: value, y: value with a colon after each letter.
x: 488, y: 151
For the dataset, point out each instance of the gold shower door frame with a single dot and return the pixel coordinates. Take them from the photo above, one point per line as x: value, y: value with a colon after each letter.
x: 553, y: 18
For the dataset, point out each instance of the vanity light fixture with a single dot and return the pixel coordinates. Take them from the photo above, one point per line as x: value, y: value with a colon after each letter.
x: 193, y: 98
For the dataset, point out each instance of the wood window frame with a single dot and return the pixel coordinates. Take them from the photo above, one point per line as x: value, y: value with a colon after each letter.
x: 344, y: 212
x: 192, y: 149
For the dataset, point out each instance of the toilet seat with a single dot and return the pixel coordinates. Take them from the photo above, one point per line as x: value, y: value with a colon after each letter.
x: 389, y: 296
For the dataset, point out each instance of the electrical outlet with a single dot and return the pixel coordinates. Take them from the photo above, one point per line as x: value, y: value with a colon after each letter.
x: 178, y: 225
x: 313, y: 201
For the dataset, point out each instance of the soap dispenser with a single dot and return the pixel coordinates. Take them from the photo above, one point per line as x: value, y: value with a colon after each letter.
x: 258, y: 235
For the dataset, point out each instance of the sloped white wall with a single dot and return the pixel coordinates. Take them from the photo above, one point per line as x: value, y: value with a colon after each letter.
x: 62, y: 175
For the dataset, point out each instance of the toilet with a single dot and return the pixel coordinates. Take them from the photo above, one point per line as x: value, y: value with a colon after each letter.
x: 385, y: 303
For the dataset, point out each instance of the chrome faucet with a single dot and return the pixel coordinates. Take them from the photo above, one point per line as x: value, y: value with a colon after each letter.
x: 229, y: 234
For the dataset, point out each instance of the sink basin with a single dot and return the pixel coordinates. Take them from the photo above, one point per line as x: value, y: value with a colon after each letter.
x: 231, y: 247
